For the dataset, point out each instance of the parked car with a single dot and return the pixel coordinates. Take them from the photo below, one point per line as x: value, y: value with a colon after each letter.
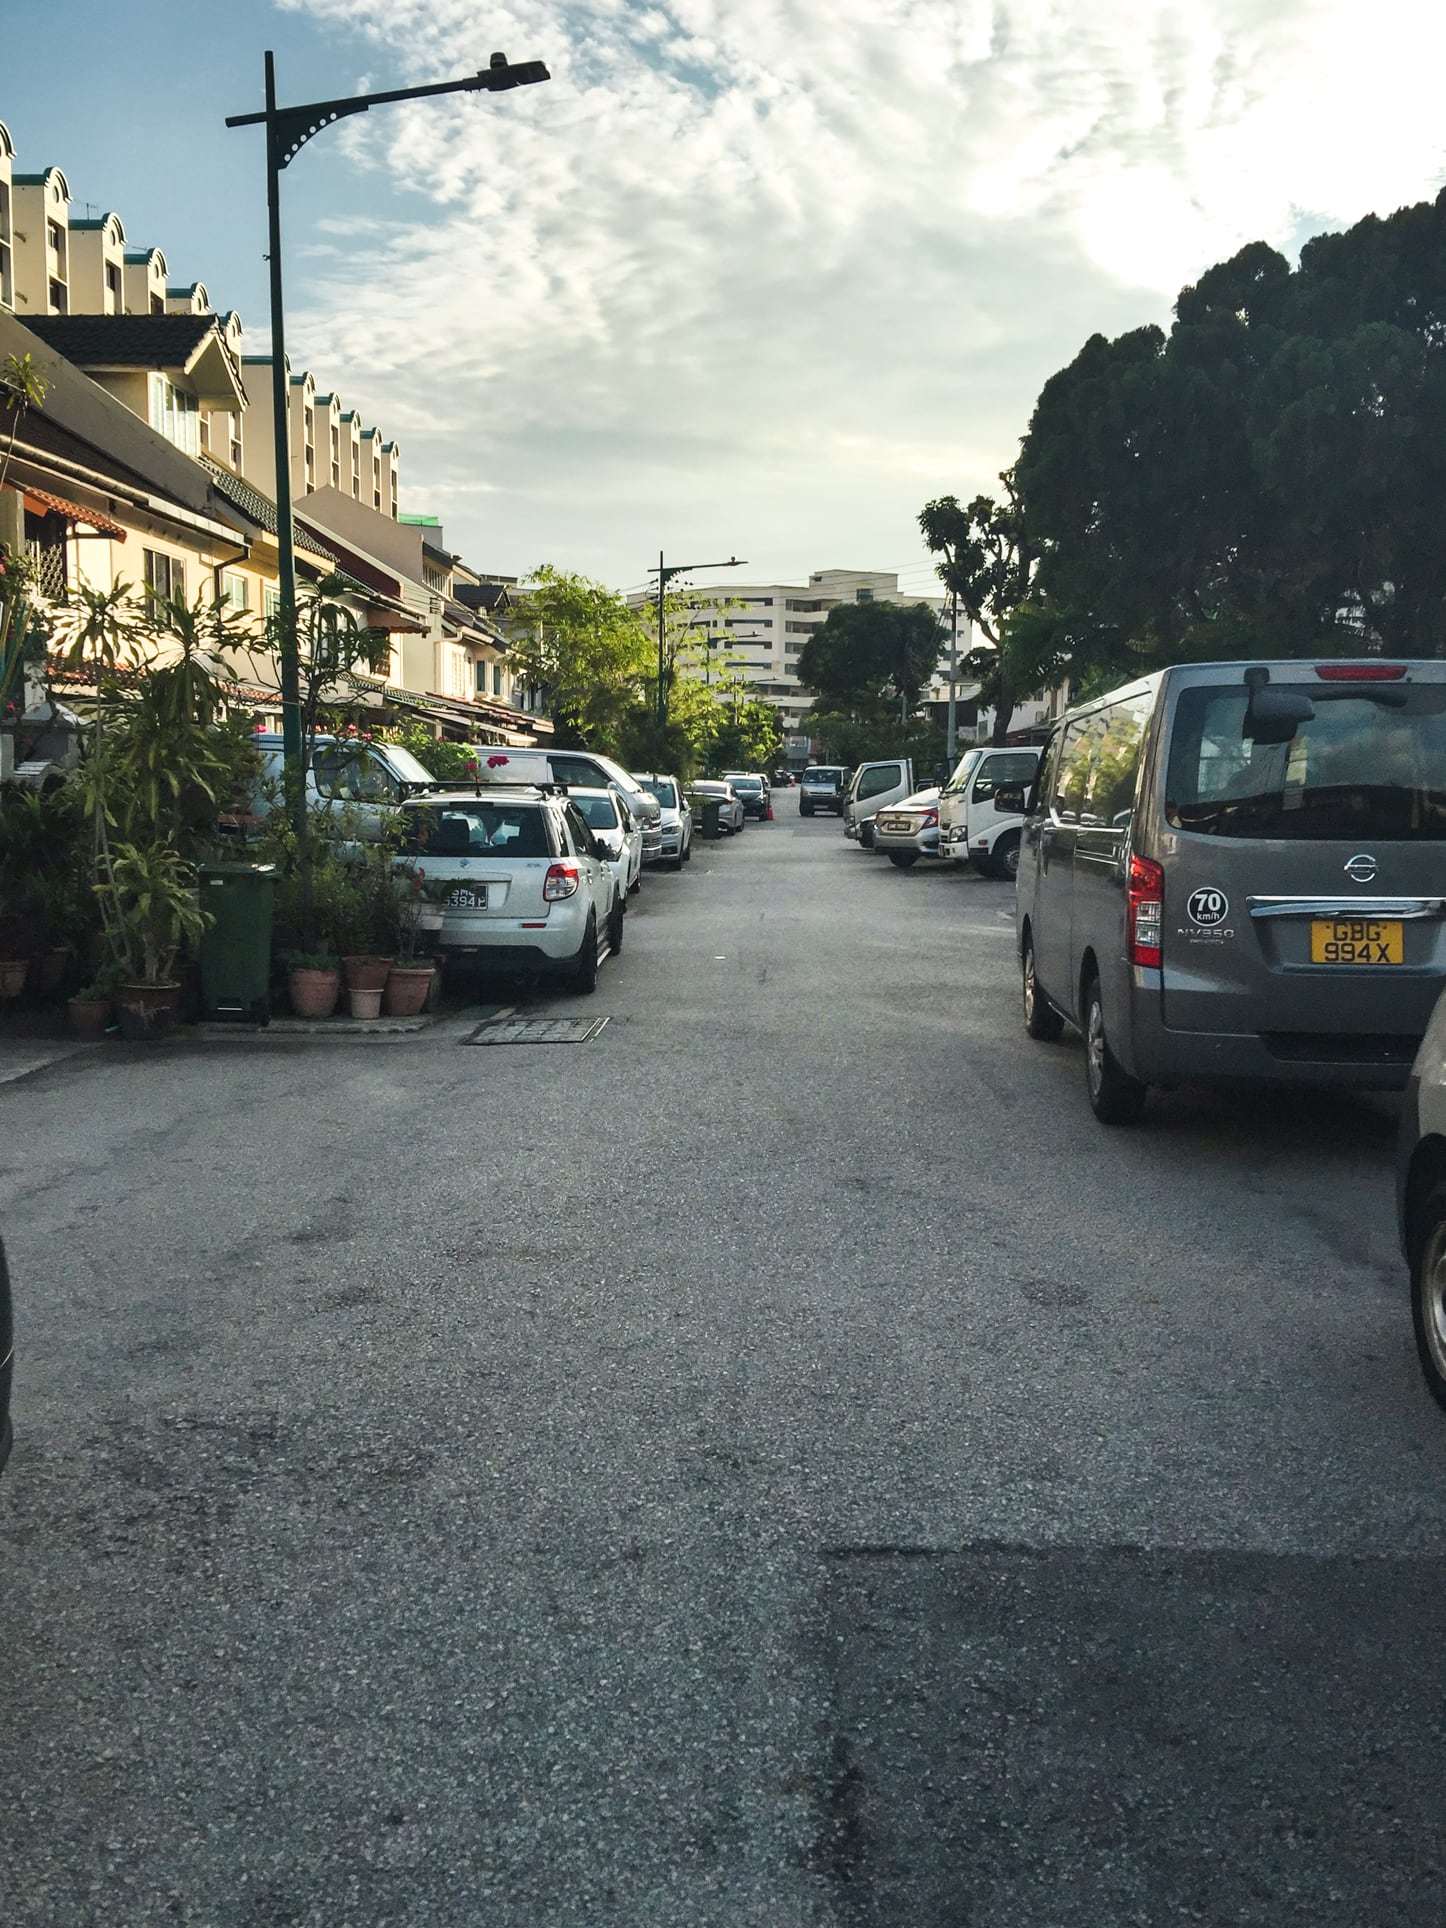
x: 587, y: 770
x: 907, y: 831
x: 731, y: 815
x: 753, y: 792
x: 972, y: 827
x: 612, y: 820
x: 369, y: 780
x: 871, y: 788
x: 532, y: 888
x: 676, y: 824
x: 821, y: 787
x: 1234, y: 871
x: 7, y: 1360
x: 784, y: 780
x: 1421, y: 1199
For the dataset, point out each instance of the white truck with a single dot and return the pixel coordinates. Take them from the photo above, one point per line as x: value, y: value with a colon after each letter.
x: 971, y: 830
x: 873, y: 786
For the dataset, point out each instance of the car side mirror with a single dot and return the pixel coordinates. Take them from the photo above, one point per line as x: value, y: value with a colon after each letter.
x: 1010, y: 798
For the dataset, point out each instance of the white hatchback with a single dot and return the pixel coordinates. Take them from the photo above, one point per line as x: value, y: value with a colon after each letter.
x: 524, y: 884
x: 610, y: 818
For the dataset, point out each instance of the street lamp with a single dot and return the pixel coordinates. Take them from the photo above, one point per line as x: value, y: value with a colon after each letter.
x: 665, y: 573
x: 288, y: 129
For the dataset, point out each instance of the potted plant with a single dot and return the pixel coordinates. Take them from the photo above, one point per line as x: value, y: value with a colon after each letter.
x: 409, y: 982
x: 91, y: 1008
x: 313, y: 980
x: 150, y: 899
x: 364, y: 933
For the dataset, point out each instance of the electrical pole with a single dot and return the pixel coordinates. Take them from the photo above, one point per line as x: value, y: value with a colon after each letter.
x: 288, y: 129
x: 665, y: 573
x: 952, y: 739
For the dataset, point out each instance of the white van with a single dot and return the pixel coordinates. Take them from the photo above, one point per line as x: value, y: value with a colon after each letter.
x: 369, y: 779
x: 972, y: 828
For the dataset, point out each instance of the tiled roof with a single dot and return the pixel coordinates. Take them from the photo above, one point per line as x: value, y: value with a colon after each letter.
x: 262, y: 510
x: 126, y: 341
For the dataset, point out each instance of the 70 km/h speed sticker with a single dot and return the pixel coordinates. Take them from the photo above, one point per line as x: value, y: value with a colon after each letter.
x: 1209, y: 907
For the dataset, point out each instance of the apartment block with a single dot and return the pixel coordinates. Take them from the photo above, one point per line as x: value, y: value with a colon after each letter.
x: 40, y: 227
x: 330, y: 448
x: 7, y: 237
x: 97, y: 267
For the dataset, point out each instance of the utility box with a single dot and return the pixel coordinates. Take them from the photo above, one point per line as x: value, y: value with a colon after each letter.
x: 236, y: 948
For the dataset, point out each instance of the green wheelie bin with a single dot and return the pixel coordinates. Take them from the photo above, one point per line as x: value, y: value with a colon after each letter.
x: 711, y: 828
x: 236, y: 948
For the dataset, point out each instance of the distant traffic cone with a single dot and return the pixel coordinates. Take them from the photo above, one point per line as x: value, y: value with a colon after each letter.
x: 768, y: 816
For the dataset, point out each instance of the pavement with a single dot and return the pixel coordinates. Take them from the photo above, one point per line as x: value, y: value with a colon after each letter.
x: 777, y: 1462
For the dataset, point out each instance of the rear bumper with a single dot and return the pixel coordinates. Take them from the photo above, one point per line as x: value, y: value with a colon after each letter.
x: 1160, y: 1056
x: 510, y: 942
x: 924, y: 842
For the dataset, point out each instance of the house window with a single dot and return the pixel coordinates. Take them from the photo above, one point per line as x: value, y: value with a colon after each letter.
x: 46, y: 537
x: 496, y: 679
x: 55, y: 238
x: 235, y: 453
x: 57, y: 295
x: 235, y: 591
x: 112, y: 288
x: 271, y: 604
x: 336, y: 475
x: 165, y: 579
x: 158, y: 304
x: 864, y: 595
x: 175, y: 414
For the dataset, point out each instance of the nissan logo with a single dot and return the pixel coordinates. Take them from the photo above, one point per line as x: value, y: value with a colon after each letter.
x: 1361, y: 869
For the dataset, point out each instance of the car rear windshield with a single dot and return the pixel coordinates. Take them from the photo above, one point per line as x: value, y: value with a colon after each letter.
x: 662, y: 789
x: 478, y: 829
x: 1366, y: 761
x: 746, y: 783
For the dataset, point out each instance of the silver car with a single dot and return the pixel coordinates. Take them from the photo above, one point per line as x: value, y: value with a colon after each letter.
x: 907, y: 831
x: 1237, y: 871
x: 524, y: 884
x: 676, y: 847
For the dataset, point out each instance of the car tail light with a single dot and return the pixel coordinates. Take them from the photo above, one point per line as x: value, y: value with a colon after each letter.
x: 931, y: 819
x: 561, y: 881
x: 1360, y: 672
x: 1146, y: 910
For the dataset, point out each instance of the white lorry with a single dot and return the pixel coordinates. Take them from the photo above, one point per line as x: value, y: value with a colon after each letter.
x: 971, y: 830
x: 873, y: 786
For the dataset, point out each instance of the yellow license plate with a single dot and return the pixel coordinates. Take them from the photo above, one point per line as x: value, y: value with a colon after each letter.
x: 1356, y: 940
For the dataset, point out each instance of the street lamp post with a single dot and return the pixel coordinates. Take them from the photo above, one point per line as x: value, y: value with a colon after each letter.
x: 288, y: 129
x: 665, y: 573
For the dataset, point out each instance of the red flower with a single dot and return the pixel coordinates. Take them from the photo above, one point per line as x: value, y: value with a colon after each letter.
x: 496, y: 762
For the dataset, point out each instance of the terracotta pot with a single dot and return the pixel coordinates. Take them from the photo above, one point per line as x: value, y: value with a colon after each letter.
x: 313, y: 993
x: 146, y: 1012
x: 366, y: 973
x: 12, y: 975
x: 407, y: 988
x: 366, y: 1003
x: 89, y: 1016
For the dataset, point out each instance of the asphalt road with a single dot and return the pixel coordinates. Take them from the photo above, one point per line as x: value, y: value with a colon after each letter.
x: 778, y: 1463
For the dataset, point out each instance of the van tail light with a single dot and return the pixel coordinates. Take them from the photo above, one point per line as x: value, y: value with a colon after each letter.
x: 1360, y: 672
x: 1146, y: 911
x: 561, y: 881
x: 931, y: 820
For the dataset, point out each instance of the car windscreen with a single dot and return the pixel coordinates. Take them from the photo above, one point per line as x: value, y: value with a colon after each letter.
x: 963, y: 770
x: 478, y: 829
x: 407, y: 766
x: 1366, y: 760
x: 662, y: 788
x: 829, y: 779
x: 599, y: 813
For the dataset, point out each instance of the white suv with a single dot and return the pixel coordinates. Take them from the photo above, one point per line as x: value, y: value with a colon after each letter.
x: 531, y: 888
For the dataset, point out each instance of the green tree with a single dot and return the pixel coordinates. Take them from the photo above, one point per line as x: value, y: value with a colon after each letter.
x: 868, y: 652
x: 987, y: 560
x: 578, y: 642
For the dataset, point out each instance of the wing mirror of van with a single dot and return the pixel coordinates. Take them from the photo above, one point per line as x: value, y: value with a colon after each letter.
x: 1274, y: 716
x: 1010, y: 799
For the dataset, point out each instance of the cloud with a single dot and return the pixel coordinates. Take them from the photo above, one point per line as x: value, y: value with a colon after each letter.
x: 779, y: 269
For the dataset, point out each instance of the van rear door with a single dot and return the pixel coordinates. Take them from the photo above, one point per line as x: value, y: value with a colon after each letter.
x: 1304, y: 850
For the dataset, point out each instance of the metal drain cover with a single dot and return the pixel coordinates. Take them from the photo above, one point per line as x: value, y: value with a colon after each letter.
x: 536, y: 1031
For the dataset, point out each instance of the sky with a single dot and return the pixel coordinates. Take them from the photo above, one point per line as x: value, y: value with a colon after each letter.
x: 746, y: 277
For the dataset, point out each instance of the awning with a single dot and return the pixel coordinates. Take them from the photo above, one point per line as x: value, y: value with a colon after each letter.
x: 41, y: 502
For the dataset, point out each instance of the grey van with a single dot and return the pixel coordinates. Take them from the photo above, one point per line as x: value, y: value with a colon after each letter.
x: 1237, y: 871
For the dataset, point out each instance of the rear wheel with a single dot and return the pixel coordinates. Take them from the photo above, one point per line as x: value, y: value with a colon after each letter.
x: 583, y: 972
x: 1426, y: 1237
x: 903, y: 859
x: 1115, y: 1097
x: 1041, y: 1020
x: 615, y: 926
